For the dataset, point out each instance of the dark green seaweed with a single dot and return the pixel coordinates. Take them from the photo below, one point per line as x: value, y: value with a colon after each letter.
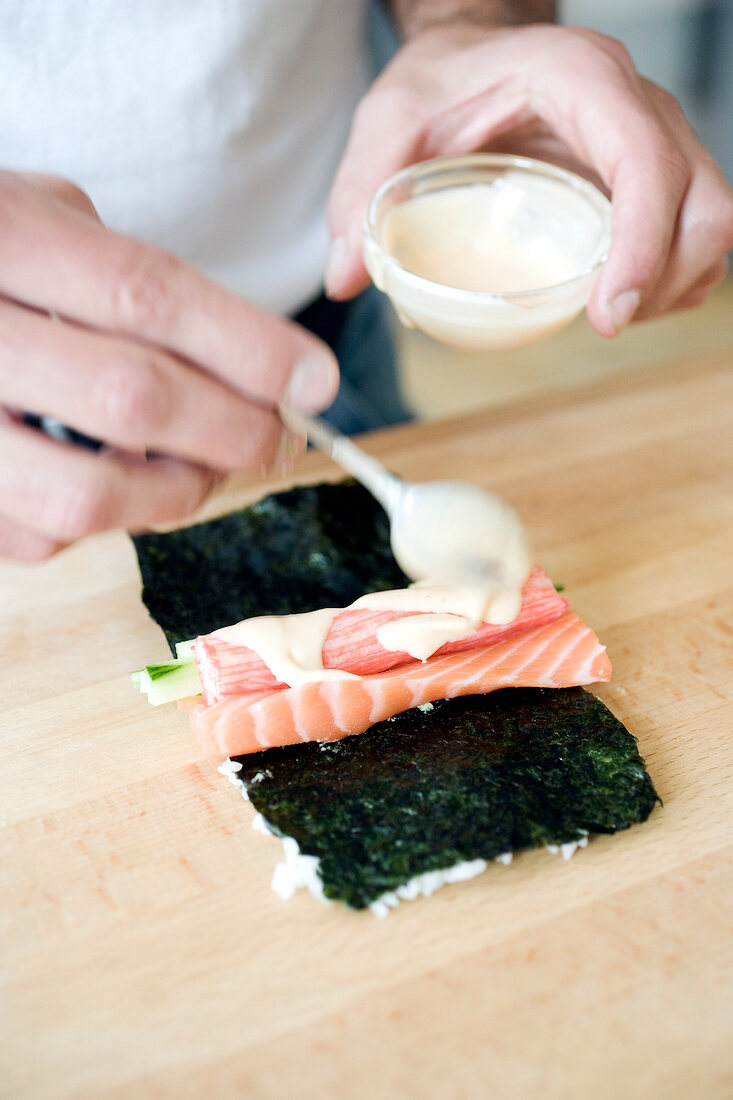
x: 471, y: 778
x: 319, y: 546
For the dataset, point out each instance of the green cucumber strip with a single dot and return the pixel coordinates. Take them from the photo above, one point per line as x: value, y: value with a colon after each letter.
x: 172, y: 681
x: 183, y: 649
x: 140, y: 680
x: 167, y: 668
x: 164, y: 683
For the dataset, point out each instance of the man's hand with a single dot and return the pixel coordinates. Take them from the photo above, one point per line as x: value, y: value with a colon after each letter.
x: 563, y: 94
x: 149, y: 357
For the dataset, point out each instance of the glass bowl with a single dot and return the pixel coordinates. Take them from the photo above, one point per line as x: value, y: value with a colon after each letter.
x: 486, y: 251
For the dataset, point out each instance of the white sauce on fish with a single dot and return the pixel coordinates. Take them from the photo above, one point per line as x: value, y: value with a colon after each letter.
x: 422, y: 635
x: 292, y: 645
x: 480, y: 600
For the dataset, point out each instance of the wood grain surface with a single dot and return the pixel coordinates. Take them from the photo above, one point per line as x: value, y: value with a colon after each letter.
x: 143, y: 951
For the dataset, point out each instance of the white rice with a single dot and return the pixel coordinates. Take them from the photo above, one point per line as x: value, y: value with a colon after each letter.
x: 569, y: 848
x: 260, y: 825
x: 259, y: 776
x: 298, y: 871
x: 229, y: 769
x: 426, y: 884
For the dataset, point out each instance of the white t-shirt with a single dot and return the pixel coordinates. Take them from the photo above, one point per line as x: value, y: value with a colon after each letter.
x: 210, y: 127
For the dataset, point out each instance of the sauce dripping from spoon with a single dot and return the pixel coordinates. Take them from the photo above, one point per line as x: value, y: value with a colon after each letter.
x: 441, y: 532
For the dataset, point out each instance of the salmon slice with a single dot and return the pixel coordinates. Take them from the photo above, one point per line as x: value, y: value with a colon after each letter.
x: 564, y: 653
x: 351, y: 643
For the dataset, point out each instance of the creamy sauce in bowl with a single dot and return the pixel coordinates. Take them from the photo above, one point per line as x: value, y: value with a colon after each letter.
x: 486, y: 251
x: 466, y: 237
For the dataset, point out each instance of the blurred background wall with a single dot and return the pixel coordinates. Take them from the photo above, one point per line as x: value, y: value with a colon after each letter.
x: 684, y: 45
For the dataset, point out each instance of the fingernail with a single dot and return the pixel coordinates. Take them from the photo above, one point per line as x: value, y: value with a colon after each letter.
x: 336, y: 264
x: 313, y: 382
x: 623, y: 308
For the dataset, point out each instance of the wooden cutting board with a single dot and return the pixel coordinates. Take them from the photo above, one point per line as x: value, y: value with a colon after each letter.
x: 143, y: 952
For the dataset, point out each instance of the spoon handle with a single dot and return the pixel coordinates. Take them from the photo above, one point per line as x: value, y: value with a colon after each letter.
x: 379, y: 481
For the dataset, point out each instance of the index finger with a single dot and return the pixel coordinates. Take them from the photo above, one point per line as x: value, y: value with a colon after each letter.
x: 648, y: 177
x: 59, y: 260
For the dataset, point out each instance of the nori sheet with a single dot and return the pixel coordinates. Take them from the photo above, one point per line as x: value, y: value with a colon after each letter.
x: 471, y: 778
x: 317, y: 546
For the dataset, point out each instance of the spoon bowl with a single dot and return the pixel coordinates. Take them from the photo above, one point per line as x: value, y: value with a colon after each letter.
x: 455, y: 529
x: 439, y: 530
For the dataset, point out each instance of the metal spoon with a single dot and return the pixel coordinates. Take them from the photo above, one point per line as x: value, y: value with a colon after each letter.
x: 447, y: 530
